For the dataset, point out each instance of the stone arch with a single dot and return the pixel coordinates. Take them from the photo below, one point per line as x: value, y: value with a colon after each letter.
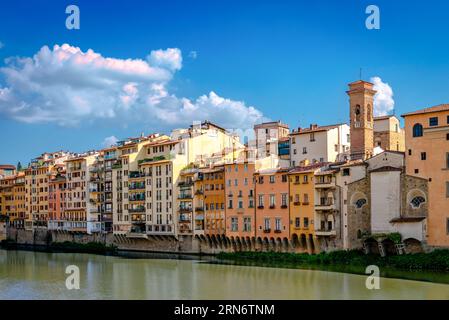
x: 295, y: 240
x: 312, y: 243
x: 303, y: 241
x: 413, y: 245
x: 389, y: 247
x: 266, y: 244
x: 371, y: 246
x: 285, y: 244
x: 412, y: 197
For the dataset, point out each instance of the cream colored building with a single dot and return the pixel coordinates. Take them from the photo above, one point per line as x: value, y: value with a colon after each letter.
x: 388, y: 133
x: 319, y: 144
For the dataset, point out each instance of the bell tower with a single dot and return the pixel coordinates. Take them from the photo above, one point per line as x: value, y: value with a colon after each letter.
x: 361, y: 98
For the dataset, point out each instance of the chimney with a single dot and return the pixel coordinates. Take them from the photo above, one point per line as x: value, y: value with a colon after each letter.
x: 313, y: 126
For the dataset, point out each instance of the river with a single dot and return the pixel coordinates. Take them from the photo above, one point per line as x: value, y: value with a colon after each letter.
x: 40, y: 275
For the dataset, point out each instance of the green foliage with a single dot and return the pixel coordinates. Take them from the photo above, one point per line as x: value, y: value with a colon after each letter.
x: 437, y: 260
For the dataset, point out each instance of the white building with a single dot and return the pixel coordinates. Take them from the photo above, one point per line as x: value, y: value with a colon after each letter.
x: 319, y: 144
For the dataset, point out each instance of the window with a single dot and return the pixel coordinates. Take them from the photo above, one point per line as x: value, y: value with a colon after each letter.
x: 230, y: 204
x: 305, y: 178
x: 416, y: 201
x: 284, y: 178
x: 447, y: 160
x: 423, y: 156
x: 433, y: 121
x: 346, y: 171
x: 447, y: 121
x: 272, y: 200
x: 294, y: 151
x: 447, y: 189
x: 234, y: 224
x: 416, y: 171
x: 447, y: 136
x: 261, y: 200
x: 417, y: 130
x: 360, y: 203
x: 284, y: 200
x: 294, y: 140
x: 312, y: 136
x: 272, y: 179
x: 306, y: 198
x: 306, y: 222
x: 246, y: 224
x: 267, y: 224
x: 297, y: 222
x: 278, y: 224
x: 409, y: 152
x: 240, y: 204
x: 304, y: 150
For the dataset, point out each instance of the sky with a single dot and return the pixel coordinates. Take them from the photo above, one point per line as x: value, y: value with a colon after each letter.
x: 152, y: 66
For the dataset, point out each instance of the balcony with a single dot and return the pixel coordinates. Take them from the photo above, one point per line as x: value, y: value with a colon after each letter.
x: 284, y: 206
x: 260, y: 207
x: 326, y: 205
x: 199, y: 209
x: 325, y: 232
x: 324, y: 183
x: 185, y: 183
x: 136, y: 197
x: 185, y: 196
x: 267, y: 230
x: 185, y: 209
x: 136, y: 175
x: 137, y: 209
x: 272, y: 206
x: 296, y: 203
x: 277, y: 231
x: 136, y: 186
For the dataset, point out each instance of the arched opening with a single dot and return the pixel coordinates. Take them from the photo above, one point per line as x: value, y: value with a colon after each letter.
x: 389, y: 247
x: 413, y: 245
x: 371, y: 246
x: 295, y: 240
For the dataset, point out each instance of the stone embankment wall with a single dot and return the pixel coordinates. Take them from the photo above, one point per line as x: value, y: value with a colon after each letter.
x: 184, y: 244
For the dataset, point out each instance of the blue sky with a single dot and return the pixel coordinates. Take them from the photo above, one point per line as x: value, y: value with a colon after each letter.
x: 289, y: 61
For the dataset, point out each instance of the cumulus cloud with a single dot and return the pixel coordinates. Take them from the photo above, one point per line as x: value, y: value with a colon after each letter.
x: 67, y: 86
x: 383, y: 99
x: 170, y: 58
x: 109, y: 141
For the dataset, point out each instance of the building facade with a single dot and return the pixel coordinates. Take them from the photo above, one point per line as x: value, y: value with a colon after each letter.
x: 427, y: 156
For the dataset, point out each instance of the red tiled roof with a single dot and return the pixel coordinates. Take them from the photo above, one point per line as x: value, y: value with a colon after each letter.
x: 316, y: 129
x: 7, y: 167
x: 308, y: 167
x: 441, y: 107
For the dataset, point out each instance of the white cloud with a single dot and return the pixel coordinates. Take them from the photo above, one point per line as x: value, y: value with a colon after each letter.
x: 170, y: 58
x: 67, y: 86
x: 383, y: 100
x: 193, y: 55
x: 109, y: 141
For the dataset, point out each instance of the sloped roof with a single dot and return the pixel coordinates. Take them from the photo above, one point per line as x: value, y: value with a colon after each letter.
x: 440, y: 107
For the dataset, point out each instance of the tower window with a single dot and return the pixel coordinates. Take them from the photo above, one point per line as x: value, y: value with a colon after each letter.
x: 416, y: 171
x: 409, y: 152
x: 423, y: 156
x: 417, y: 130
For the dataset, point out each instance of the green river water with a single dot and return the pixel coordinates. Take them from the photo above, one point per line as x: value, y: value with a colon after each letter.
x: 41, y: 275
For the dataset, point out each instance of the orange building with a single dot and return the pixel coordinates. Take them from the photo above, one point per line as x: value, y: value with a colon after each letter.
x: 214, y: 200
x: 427, y: 156
x: 240, y: 200
x: 272, y: 213
x: 56, y: 200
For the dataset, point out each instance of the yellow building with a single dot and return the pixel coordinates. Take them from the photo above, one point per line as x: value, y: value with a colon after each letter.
x: 19, y: 212
x: 302, y: 208
x: 427, y: 156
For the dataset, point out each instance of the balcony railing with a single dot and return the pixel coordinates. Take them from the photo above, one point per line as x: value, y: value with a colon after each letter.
x: 137, y: 209
x: 185, y: 196
x: 136, y: 186
x: 136, y: 174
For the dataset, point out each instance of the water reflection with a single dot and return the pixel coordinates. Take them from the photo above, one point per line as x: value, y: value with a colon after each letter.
x: 37, y: 275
